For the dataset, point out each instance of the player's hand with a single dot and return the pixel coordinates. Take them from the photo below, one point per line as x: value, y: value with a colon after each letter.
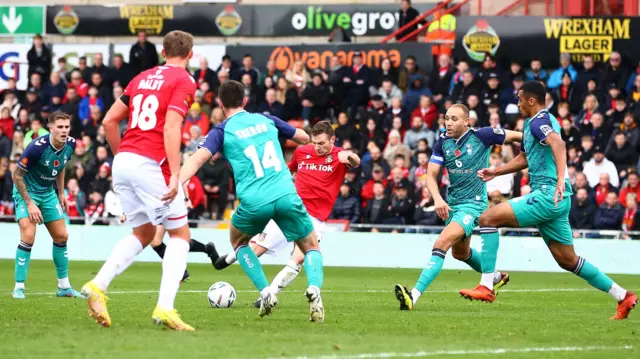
x: 442, y: 209
x: 558, y: 196
x: 343, y: 156
x: 63, y: 203
x: 34, y: 213
x: 173, y: 190
x: 123, y: 218
x: 487, y: 174
x: 188, y: 203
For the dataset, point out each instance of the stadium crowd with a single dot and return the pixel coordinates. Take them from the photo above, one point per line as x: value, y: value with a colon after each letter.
x: 390, y: 116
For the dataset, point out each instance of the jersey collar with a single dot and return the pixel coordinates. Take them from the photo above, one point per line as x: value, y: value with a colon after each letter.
x: 464, y: 135
x: 539, y: 112
x: 56, y: 150
x: 236, y: 114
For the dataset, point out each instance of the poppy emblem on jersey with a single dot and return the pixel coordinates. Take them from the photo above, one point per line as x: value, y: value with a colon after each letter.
x: 56, y: 163
x: 24, y: 161
x: 329, y: 159
x: 457, y: 153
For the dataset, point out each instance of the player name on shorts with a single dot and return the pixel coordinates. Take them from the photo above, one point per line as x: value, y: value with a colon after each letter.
x: 252, y: 130
x: 314, y: 167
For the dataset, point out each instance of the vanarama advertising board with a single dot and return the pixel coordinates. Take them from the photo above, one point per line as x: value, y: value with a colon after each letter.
x: 318, y: 56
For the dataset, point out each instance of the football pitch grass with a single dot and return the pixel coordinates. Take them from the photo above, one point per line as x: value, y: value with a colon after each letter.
x: 538, y: 315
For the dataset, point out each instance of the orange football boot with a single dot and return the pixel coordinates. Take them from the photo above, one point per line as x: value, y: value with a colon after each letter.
x: 480, y: 293
x: 625, y: 306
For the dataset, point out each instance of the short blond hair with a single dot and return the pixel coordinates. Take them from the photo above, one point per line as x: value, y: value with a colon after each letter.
x: 177, y: 44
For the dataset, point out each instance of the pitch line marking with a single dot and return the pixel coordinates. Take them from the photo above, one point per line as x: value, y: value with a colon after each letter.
x: 423, y: 354
x: 539, y: 290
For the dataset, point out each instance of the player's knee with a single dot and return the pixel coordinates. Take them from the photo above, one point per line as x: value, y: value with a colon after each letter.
x: 460, y: 253
x: 444, y: 243
x: 62, y: 237
x: 566, y: 261
x: 485, y: 220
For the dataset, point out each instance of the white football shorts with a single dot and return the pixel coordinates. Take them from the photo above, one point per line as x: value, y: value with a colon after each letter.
x: 274, y: 240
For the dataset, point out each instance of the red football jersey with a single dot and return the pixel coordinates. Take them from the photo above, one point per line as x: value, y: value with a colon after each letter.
x: 318, y: 179
x: 151, y: 94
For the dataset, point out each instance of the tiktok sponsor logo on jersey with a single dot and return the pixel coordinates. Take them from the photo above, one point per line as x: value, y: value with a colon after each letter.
x: 314, y: 167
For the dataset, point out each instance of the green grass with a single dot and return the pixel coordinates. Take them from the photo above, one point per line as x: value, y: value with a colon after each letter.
x: 362, y: 317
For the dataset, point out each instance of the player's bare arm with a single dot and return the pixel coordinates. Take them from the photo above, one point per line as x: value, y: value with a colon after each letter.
x: 172, y: 131
x: 116, y: 113
x: 193, y: 164
x: 301, y: 137
x: 350, y: 158
x: 518, y: 163
x: 442, y: 208
x: 18, y: 179
x: 61, y: 197
x: 558, y: 148
x: 512, y: 136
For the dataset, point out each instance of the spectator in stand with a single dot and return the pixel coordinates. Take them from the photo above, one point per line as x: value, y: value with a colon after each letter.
x: 515, y: 70
x: 347, y: 206
x: 609, y: 215
x: 631, y: 217
x: 396, y: 110
x: 388, y: 91
x: 33, y: 102
x: 36, y: 131
x: 71, y: 106
x: 600, y: 131
x: 78, y: 84
x: 489, y: 65
x: 410, y: 68
x: 5, y: 144
x: 76, y: 199
x: 249, y: 68
x: 441, y: 77
x: 143, y: 54
x: 272, y: 72
x: 252, y: 93
x: 105, y: 92
x: 427, y: 111
x: 395, y: 147
x: 63, y: 70
x: 375, y: 159
x: 402, y: 207
x: 614, y: 73
x: 463, y: 89
x: 536, y: 72
x: 22, y: 126
x: 589, y: 72
x: 55, y: 87
x: 417, y: 132
x: 346, y: 130
x: 229, y: 67
x: 419, y: 171
x: 399, y: 176
x: 335, y: 76
x: 583, y: 211
x: 120, y: 73
x: 371, y: 133
x: 11, y: 88
x: 610, y: 99
x: 205, y: 74
x: 586, y: 143
x: 589, y: 108
x: 315, y: 100
x: 102, y: 182
x: 491, y: 94
x: 621, y: 153
x: 462, y: 67
x: 39, y: 58
x: 602, y: 188
x: 600, y: 165
x: 99, y: 67
x: 7, y: 123
x: 570, y: 135
x: 631, y: 187
x: 377, y: 208
x: 567, y: 93
x: 270, y: 106
x: 196, y: 197
x: 425, y: 210
x: 398, y: 126
x: 358, y: 94
x: 298, y: 76
x: 504, y: 183
x: 195, y: 117
x: 555, y: 80
x: 11, y: 103
x: 509, y: 96
x: 287, y: 95
x: 406, y: 15
x: 563, y: 112
x: 91, y: 100
x: 375, y: 176
x: 617, y: 112
x: 385, y: 71
x: 217, y: 116
x: 416, y: 90
x: 94, y: 209
x: 84, y: 70
x: 80, y: 157
x: 101, y: 157
x: 215, y: 175
x: 195, y: 136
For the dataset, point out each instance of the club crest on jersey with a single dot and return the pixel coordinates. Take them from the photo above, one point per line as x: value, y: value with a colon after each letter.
x: 329, y: 159
x: 308, y: 156
x: 56, y: 163
x: 457, y: 152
